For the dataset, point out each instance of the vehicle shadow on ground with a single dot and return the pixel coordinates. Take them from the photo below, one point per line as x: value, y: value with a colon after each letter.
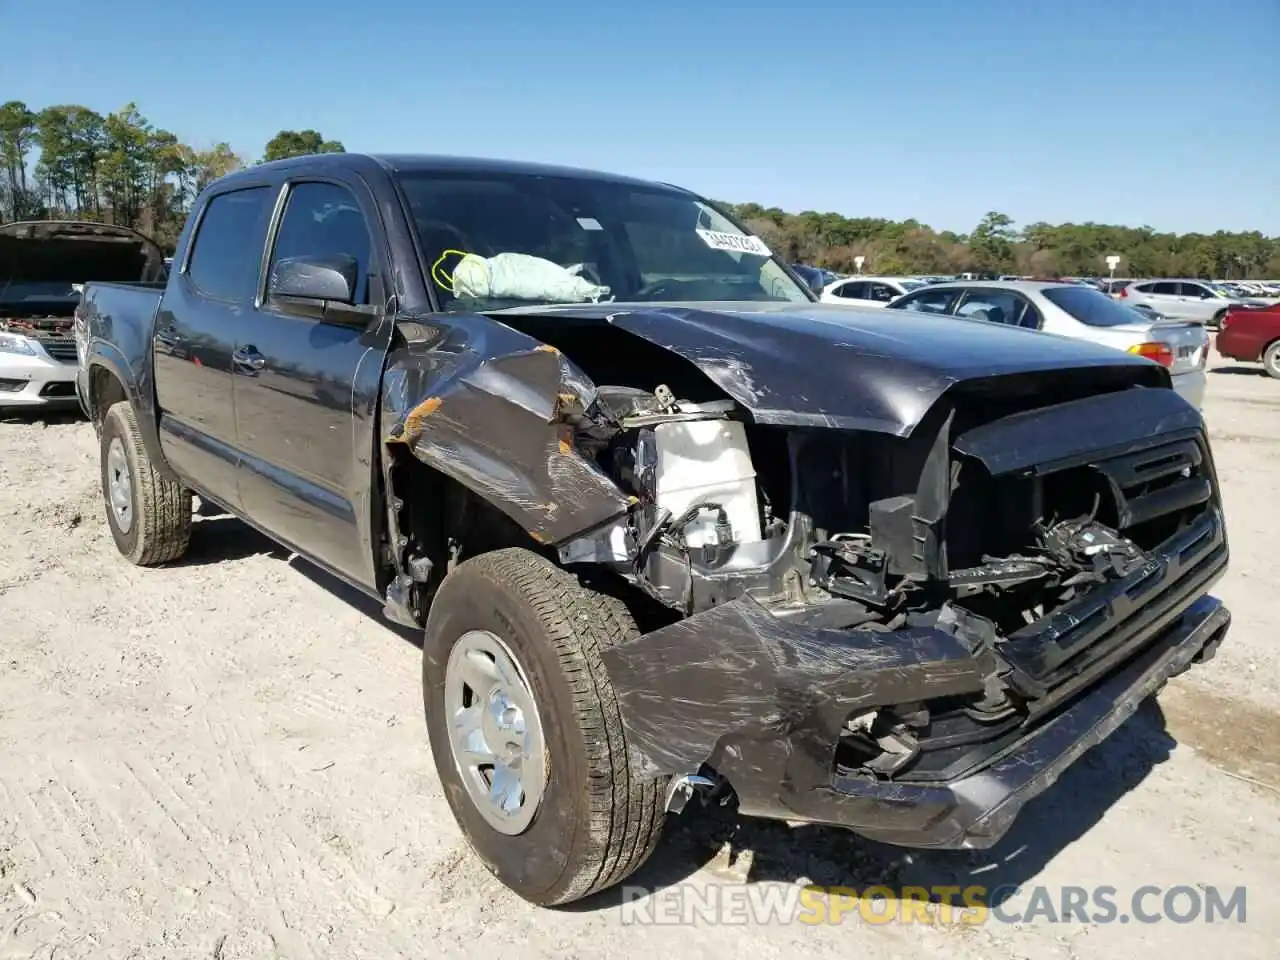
x: 1255, y: 371
x: 743, y: 849
x: 362, y: 602
x: 50, y: 418
x: 218, y: 536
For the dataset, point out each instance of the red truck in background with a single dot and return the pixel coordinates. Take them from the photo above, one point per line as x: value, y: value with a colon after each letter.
x: 1252, y: 334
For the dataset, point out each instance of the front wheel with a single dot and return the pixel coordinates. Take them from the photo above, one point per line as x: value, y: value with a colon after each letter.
x: 149, y: 514
x: 525, y: 728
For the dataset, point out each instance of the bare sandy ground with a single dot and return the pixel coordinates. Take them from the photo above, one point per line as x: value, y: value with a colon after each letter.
x: 226, y: 758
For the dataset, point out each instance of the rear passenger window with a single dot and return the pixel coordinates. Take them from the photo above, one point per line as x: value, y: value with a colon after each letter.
x: 228, y: 244
x: 852, y: 291
x: 1163, y: 289
x: 994, y: 306
x: 930, y: 301
x: 1030, y: 318
x: 324, y: 220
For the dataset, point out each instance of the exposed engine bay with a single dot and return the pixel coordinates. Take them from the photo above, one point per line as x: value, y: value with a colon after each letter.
x: 1032, y: 521
x: 875, y: 533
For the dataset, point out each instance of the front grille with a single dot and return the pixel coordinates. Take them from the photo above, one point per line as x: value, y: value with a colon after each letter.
x: 1155, y: 484
x: 1163, y: 501
x: 58, y: 388
x: 62, y: 350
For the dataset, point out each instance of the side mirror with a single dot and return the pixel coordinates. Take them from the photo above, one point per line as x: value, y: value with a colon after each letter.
x: 331, y: 279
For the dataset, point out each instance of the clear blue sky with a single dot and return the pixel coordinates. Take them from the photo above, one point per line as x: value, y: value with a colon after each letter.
x: 1163, y: 113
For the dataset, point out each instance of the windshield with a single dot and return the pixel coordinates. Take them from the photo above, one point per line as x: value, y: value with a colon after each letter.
x: 1092, y: 307
x: 494, y: 240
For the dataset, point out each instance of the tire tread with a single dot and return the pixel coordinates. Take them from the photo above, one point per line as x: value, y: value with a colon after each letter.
x: 163, y: 506
x: 626, y: 810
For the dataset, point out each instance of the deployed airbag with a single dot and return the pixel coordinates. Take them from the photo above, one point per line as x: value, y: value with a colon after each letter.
x: 519, y: 276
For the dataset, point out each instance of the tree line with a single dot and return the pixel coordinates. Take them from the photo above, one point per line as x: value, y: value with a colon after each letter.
x: 69, y: 161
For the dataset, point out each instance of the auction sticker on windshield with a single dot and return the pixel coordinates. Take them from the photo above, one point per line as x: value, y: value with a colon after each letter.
x: 734, y: 242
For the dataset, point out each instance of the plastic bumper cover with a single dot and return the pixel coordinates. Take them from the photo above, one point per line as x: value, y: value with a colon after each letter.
x: 35, y: 381
x: 763, y: 702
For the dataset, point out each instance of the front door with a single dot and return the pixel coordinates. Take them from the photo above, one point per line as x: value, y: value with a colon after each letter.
x: 204, y: 306
x: 306, y: 390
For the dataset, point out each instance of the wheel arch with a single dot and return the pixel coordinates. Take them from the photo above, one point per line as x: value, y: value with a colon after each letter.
x: 108, y: 380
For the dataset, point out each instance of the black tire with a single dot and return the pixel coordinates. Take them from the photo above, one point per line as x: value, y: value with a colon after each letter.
x: 599, y: 819
x: 1216, y: 323
x: 160, y: 525
x: 1271, y: 359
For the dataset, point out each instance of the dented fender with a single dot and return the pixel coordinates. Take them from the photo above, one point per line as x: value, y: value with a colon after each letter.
x: 489, y: 407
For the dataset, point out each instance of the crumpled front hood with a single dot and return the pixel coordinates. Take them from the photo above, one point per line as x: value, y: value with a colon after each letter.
x: 67, y: 252
x: 828, y: 365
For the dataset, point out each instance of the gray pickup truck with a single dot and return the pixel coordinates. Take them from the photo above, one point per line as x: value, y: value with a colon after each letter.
x: 672, y: 528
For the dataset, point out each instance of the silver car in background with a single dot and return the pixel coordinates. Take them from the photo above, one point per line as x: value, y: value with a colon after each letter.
x: 1081, y: 313
x: 1196, y: 300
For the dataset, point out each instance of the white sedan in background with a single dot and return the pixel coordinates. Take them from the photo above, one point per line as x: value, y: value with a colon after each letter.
x: 1079, y: 312
x: 862, y: 291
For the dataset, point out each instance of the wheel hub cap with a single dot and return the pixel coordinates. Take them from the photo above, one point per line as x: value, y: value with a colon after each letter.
x: 119, y: 486
x: 495, y: 733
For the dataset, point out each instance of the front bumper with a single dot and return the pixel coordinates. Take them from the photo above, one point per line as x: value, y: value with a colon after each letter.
x: 763, y: 702
x: 976, y: 811
x: 36, y: 381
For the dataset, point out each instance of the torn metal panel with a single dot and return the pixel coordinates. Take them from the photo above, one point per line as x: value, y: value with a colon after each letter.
x: 496, y: 413
x: 824, y: 365
x: 736, y: 674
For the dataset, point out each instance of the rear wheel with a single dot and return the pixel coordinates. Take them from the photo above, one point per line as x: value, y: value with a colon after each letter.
x: 1271, y: 359
x: 149, y: 515
x: 1216, y: 322
x: 525, y: 728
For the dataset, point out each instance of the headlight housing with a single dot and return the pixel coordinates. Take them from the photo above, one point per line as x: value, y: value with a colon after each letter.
x: 17, y: 343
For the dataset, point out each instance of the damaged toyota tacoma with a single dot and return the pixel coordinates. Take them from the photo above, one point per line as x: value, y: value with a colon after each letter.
x: 673, y: 530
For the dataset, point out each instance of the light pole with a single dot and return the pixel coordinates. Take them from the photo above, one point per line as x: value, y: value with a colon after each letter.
x: 858, y: 262
x: 1112, y: 262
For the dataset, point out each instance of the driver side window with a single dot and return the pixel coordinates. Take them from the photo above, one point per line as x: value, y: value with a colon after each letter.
x: 324, y: 220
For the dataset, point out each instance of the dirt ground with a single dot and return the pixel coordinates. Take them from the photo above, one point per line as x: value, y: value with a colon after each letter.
x: 227, y: 758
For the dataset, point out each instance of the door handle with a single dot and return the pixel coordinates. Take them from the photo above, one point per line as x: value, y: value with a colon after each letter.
x: 248, y: 359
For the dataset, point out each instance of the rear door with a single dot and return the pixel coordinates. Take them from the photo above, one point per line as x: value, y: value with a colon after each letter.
x: 1199, y: 303
x: 1162, y: 295
x: 203, y: 309
x: 305, y: 386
